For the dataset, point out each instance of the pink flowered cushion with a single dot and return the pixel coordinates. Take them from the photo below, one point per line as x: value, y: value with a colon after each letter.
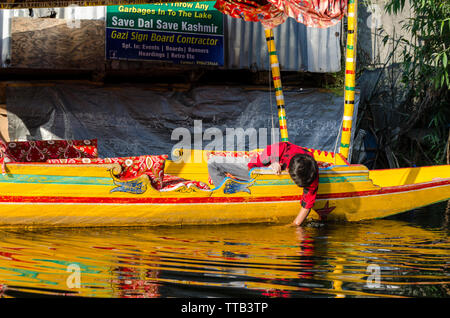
x: 43, y: 150
x: 132, y: 167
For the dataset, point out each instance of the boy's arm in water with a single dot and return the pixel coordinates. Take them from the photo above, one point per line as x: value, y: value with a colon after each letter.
x: 308, y: 200
x: 301, y: 216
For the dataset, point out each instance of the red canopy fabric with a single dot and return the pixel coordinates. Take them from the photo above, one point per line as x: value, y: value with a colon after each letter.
x: 312, y: 13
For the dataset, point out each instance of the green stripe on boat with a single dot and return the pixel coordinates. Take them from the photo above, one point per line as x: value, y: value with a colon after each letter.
x: 338, y: 179
x: 45, y: 179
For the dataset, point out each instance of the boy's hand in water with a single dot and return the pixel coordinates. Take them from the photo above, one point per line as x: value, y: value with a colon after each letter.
x: 276, y: 167
x: 301, y: 216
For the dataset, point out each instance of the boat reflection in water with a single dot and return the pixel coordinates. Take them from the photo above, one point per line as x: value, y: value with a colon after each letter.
x: 332, y: 260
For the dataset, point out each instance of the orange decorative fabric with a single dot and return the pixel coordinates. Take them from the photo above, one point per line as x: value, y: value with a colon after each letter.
x: 271, y: 13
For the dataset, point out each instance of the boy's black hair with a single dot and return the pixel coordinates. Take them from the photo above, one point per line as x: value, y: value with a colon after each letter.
x: 303, y: 169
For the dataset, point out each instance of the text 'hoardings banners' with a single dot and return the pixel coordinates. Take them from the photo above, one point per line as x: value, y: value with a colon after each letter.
x: 180, y: 32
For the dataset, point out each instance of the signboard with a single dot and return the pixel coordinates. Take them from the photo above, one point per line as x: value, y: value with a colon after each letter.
x: 180, y: 32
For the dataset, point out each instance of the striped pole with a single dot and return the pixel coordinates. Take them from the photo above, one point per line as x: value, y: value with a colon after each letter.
x: 276, y: 76
x: 350, y: 67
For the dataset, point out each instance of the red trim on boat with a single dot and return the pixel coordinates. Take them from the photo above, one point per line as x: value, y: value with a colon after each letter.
x: 345, y: 160
x: 412, y: 168
x: 100, y: 200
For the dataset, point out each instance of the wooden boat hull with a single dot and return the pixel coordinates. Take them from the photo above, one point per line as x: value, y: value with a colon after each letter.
x: 81, y: 195
x: 79, y: 211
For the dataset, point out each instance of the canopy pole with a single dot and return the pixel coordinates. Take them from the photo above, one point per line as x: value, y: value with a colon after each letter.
x: 276, y: 76
x: 350, y: 68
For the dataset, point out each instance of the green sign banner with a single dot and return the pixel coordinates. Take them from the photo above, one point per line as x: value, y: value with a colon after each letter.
x: 181, y: 32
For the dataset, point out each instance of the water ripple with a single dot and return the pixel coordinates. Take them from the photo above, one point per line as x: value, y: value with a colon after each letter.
x: 336, y: 260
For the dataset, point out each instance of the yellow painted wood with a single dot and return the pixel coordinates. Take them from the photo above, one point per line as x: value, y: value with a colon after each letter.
x: 276, y: 73
x: 380, y: 206
x: 349, y: 82
x: 404, y: 176
x: 95, y: 170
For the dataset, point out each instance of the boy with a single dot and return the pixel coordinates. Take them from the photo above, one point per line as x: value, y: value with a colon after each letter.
x: 298, y: 161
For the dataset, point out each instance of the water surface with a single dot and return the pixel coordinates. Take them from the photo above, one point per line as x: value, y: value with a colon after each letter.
x: 411, y: 254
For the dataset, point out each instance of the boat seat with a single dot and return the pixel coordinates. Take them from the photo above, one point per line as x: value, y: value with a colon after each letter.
x: 43, y: 150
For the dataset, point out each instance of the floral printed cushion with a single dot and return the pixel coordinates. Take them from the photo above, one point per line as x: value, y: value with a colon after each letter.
x: 271, y: 13
x: 43, y: 150
x: 132, y: 167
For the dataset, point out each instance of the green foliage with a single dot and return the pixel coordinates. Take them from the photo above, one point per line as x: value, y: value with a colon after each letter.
x: 426, y: 67
x: 429, y: 50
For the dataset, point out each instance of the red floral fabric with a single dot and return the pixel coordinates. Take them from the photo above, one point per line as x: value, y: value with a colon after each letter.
x: 132, y: 167
x: 230, y: 154
x: 173, y: 183
x: 271, y: 13
x: 43, y: 150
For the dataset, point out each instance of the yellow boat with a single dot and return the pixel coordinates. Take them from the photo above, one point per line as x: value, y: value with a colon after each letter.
x: 44, y: 194
x: 80, y: 195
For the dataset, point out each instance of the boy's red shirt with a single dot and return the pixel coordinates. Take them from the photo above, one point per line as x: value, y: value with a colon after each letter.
x: 282, y: 153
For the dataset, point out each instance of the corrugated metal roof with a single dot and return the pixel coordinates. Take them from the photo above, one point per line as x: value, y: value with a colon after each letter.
x: 300, y: 48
